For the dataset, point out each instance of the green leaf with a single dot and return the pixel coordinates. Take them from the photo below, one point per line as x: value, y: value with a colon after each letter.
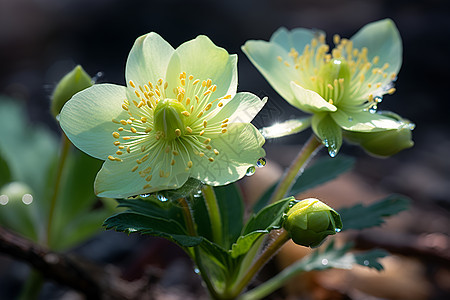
x: 364, y: 216
x: 323, y: 170
x: 269, y: 218
x: 231, y: 208
x: 168, y: 228
x: 4, y: 171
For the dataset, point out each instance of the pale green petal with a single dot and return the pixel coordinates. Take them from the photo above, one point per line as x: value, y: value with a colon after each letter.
x: 297, y: 38
x: 264, y: 56
x: 309, y: 101
x: 148, y: 59
x: 117, y: 180
x: 241, y: 109
x: 382, y: 39
x: 364, y: 121
x: 87, y: 118
x: 286, y: 128
x: 328, y: 131
x: 382, y: 143
x: 239, y: 148
x: 204, y: 60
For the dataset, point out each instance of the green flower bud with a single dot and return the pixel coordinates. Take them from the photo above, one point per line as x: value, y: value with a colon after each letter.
x: 73, y: 82
x: 310, y: 221
x: 384, y: 143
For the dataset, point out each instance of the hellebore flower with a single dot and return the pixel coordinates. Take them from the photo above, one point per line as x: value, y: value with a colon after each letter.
x: 340, y: 88
x: 178, y: 117
x: 310, y: 221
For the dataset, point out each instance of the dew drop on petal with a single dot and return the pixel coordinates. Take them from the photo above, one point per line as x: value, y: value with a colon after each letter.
x: 197, y: 270
x: 411, y: 126
x: 4, y: 199
x: 373, y: 109
x: 324, y: 261
x: 366, y: 262
x: 378, y: 99
x: 350, y: 119
x: 325, y: 142
x: 337, y: 230
x: 250, y: 171
x: 261, y: 162
x: 144, y: 195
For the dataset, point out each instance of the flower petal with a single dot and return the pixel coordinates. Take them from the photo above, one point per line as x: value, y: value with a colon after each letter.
x: 241, y: 109
x: 87, y: 118
x: 264, y: 56
x: 297, y: 38
x: 328, y: 131
x: 204, y: 60
x: 382, y: 143
x: 285, y: 128
x: 364, y: 121
x: 382, y: 39
x: 309, y: 101
x: 120, y: 179
x: 148, y: 59
x: 238, y: 149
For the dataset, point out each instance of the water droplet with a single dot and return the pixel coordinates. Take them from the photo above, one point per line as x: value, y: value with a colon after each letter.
x: 261, y: 162
x: 350, y: 119
x: 197, y: 194
x: 378, y: 99
x: 338, y: 230
x: 324, y: 261
x: 144, y: 195
x: 373, y: 109
x: 366, y: 262
x: 331, y: 151
x: 411, y: 126
x: 250, y: 171
x: 197, y: 270
x: 325, y: 142
x: 130, y: 230
x: 97, y: 77
x: 161, y: 197
x: 57, y: 117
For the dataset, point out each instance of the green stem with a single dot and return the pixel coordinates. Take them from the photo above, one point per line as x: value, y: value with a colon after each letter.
x: 197, y: 256
x: 214, y: 213
x: 296, y: 168
x: 65, y: 146
x: 274, y: 283
x: 32, y: 286
x: 266, y: 255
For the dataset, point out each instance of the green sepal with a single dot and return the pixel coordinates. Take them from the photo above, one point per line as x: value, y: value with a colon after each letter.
x: 269, y: 218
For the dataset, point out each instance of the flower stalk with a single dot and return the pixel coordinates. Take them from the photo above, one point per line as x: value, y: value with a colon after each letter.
x: 65, y: 147
x: 296, y: 168
x: 214, y: 213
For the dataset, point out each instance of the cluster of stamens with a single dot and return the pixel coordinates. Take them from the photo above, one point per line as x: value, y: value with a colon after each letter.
x: 157, y: 151
x: 365, y: 85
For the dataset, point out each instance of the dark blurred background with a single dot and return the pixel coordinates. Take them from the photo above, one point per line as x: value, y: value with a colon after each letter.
x: 41, y: 40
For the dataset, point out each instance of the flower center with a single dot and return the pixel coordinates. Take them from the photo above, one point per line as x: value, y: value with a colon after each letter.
x: 344, y: 77
x: 169, y: 120
x: 166, y: 128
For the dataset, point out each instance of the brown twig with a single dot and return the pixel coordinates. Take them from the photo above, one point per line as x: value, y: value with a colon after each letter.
x: 94, y: 281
